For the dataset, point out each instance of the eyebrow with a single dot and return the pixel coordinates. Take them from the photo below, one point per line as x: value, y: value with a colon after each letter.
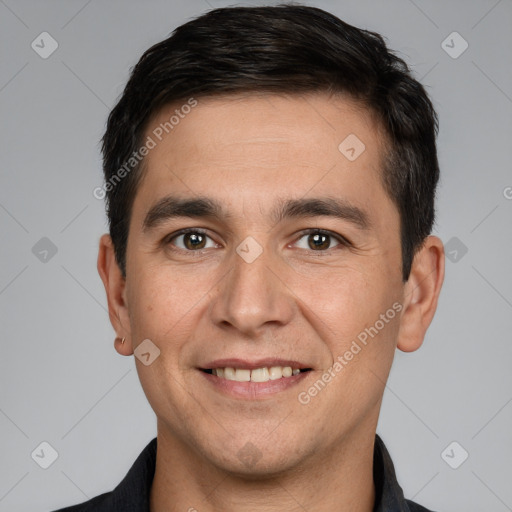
x: 171, y: 207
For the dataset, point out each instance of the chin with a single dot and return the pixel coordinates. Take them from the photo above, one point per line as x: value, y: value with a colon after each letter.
x: 258, y: 462
x: 260, y: 471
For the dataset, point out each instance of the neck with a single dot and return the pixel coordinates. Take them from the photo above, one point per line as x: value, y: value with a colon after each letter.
x: 339, y: 479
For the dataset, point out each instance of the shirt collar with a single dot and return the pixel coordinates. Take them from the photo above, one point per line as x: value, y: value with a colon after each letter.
x: 388, y: 494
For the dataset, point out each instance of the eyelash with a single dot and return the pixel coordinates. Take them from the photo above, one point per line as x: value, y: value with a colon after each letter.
x: 312, y: 231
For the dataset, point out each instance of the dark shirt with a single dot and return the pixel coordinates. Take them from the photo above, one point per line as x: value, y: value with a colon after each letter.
x: 132, y: 494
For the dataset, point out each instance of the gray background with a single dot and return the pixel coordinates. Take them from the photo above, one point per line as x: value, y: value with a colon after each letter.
x: 61, y: 380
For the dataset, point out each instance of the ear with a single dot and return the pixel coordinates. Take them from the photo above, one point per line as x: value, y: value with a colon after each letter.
x: 421, y: 294
x: 115, y: 286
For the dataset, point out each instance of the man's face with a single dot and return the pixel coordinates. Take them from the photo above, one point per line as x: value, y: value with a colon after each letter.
x: 248, y: 288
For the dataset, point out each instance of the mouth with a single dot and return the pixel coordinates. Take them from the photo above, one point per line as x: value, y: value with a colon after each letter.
x: 255, y: 379
x: 261, y: 374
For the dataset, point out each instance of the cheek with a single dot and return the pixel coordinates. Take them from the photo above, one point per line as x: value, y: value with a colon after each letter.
x: 363, y: 319
x: 158, y: 302
x: 346, y: 300
x: 166, y: 305
x: 163, y: 313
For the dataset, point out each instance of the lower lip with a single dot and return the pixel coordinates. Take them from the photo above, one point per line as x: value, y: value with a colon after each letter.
x: 253, y: 390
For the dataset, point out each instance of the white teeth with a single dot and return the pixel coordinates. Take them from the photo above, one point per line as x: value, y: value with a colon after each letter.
x: 276, y: 372
x: 229, y: 373
x: 242, y: 375
x: 260, y: 375
x: 256, y: 375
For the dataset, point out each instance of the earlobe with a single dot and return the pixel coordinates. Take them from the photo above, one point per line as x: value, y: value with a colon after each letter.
x: 122, y: 346
x: 115, y: 289
x: 421, y: 294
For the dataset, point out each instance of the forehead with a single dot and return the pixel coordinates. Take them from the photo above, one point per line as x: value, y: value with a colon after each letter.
x: 231, y: 122
x: 253, y: 147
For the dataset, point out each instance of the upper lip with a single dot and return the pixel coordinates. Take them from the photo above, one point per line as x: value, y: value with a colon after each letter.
x: 253, y: 364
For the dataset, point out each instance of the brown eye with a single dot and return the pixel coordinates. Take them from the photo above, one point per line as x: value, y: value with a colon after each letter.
x: 319, y: 241
x: 191, y: 240
x: 194, y: 241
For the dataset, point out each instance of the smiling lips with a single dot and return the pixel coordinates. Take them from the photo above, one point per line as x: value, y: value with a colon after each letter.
x: 258, y: 371
x: 256, y: 375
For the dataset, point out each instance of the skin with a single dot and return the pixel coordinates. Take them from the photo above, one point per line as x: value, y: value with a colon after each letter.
x: 291, y: 302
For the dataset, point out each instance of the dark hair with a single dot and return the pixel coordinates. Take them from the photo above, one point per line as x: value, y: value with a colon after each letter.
x: 279, y: 49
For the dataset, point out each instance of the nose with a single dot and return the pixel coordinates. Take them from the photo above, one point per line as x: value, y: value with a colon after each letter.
x: 252, y: 296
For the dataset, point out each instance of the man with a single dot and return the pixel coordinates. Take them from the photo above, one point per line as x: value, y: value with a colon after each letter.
x: 270, y: 175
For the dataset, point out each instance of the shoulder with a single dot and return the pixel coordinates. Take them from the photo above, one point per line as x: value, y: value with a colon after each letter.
x: 101, y: 503
x: 131, y: 494
x: 414, y: 507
